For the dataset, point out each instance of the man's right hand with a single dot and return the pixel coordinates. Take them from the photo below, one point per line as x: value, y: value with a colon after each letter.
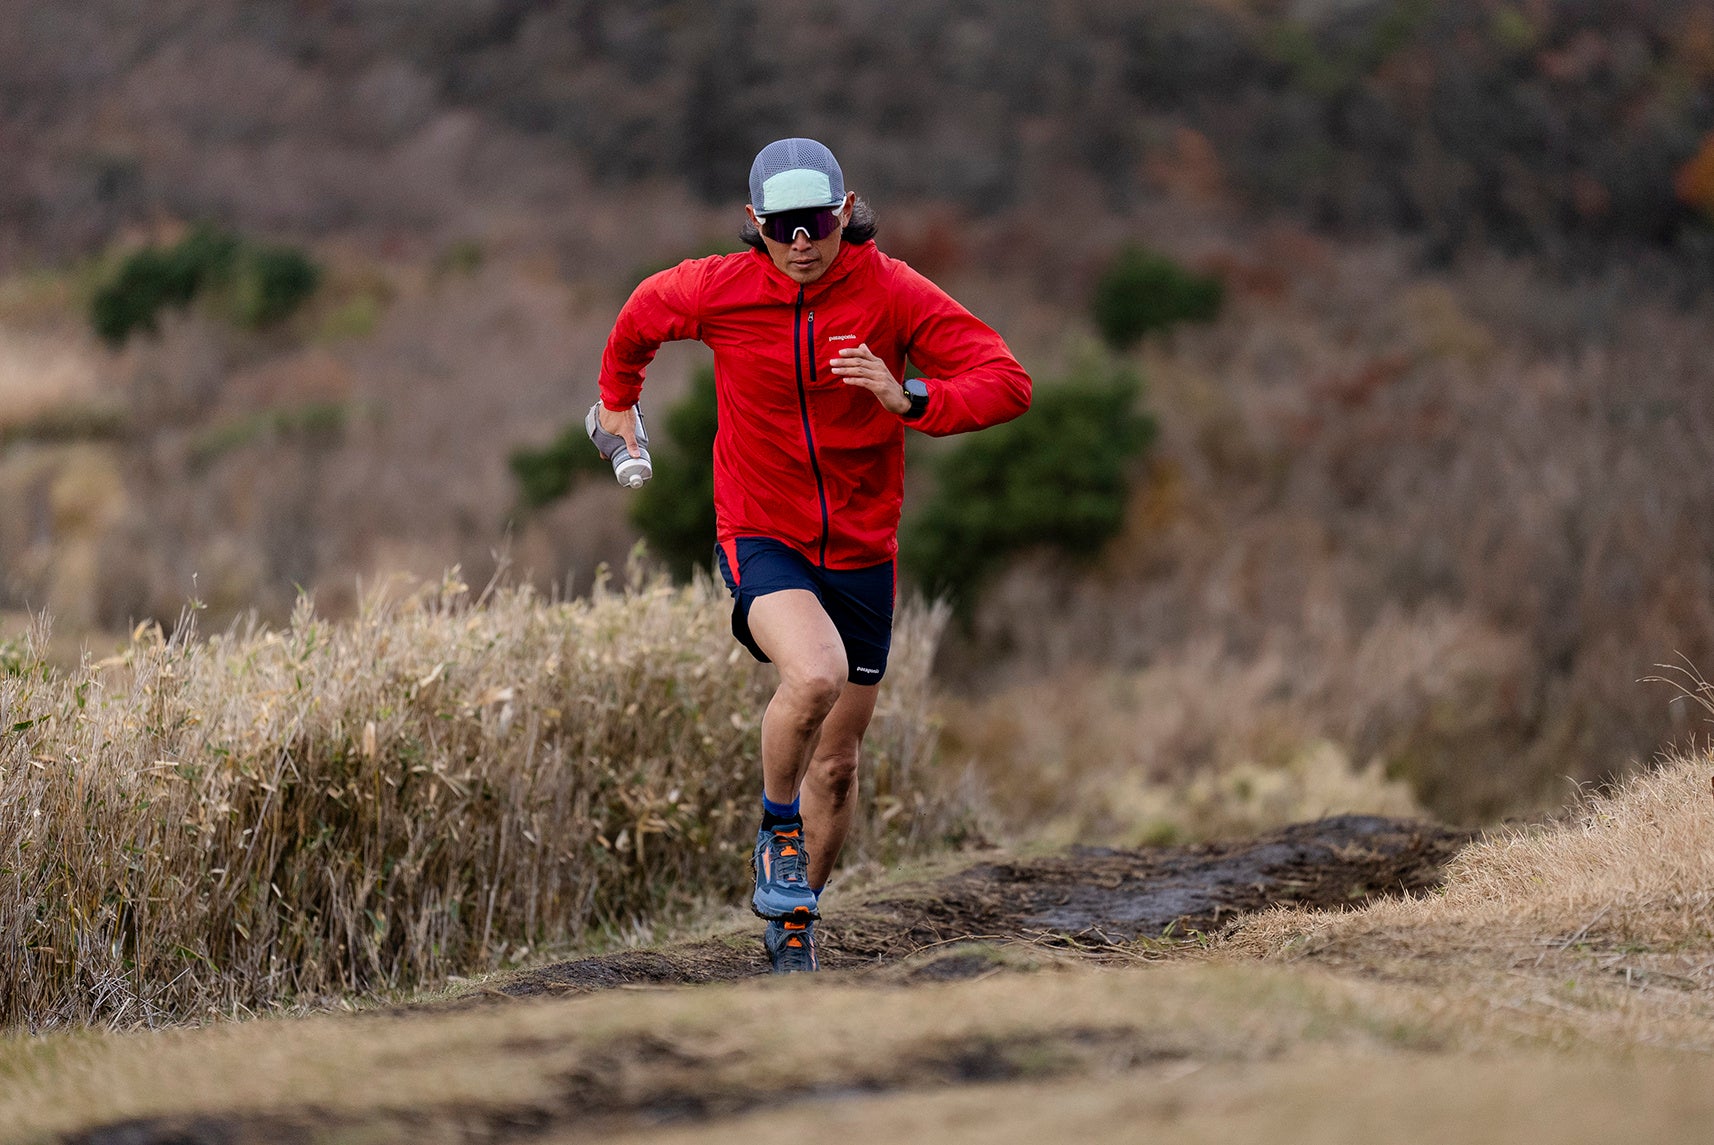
x: 620, y: 422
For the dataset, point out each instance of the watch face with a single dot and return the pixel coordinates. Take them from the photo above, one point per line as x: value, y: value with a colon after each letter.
x: 917, y: 391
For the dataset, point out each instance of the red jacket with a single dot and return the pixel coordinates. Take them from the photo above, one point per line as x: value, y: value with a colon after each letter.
x: 801, y: 456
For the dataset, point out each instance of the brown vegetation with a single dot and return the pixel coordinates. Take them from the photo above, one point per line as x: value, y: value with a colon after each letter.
x: 1416, y: 509
x: 1443, y: 522
x: 1426, y: 506
x: 437, y: 785
x: 1556, y: 128
x: 1548, y: 990
x: 1623, y: 890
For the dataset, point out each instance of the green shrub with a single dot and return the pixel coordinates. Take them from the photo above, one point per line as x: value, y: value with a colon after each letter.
x: 545, y: 475
x: 675, y: 510
x: 256, y: 284
x: 1142, y: 292
x: 269, y: 283
x: 1055, y: 477
x: 145, y: 283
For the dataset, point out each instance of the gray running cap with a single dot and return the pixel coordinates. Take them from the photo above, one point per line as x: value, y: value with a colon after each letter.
x: 795, y: 175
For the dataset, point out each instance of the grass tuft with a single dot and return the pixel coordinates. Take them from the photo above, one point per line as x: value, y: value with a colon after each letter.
x: 1626, y: 881
x: 443, y: 784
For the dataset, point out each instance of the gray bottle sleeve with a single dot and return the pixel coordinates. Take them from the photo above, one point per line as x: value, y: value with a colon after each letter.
x: 606, y: 443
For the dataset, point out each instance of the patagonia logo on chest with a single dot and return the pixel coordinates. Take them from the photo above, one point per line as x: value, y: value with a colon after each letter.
x: 842, y: 338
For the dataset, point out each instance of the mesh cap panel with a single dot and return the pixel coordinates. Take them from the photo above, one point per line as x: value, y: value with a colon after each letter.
x: 792, y: 174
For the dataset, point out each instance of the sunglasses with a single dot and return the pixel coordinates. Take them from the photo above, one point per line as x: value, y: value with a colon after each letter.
x: 816, y: 222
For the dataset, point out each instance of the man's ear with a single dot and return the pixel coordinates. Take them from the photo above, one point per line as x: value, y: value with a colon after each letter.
x: 848, y: 207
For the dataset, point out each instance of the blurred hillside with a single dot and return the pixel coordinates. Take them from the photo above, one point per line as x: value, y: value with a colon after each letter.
x: 1550, y: 126
x: 1429, y: 491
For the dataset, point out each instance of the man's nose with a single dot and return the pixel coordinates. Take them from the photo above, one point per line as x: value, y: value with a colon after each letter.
x: 800, y: 239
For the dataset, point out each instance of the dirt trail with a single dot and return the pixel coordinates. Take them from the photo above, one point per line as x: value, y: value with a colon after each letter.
x: 1088, y: 897
x: 1090, y: 901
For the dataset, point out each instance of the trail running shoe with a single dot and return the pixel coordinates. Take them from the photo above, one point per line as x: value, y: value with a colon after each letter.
x: 781, y: 868
x: 791, y: 946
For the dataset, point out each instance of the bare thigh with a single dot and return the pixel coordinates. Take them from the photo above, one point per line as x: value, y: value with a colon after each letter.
x: 797, y: 635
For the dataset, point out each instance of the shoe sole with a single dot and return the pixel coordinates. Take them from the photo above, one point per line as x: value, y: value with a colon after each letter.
x: 795, y: 914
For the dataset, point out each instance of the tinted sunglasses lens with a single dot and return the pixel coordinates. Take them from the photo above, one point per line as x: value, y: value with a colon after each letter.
x: 783, y: 227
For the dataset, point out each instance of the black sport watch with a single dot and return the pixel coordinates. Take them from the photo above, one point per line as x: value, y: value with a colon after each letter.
x: 917, y: 391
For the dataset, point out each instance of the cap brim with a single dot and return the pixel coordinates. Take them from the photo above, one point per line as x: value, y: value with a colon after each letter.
x: 837, y: 203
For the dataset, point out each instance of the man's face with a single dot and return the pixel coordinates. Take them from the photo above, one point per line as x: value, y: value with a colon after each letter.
x: 803, y: 260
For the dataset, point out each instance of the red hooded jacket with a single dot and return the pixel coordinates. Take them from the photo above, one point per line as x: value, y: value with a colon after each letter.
x: 800, y: 456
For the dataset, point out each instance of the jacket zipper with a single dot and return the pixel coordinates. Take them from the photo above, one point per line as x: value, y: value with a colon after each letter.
x: 803, y: 407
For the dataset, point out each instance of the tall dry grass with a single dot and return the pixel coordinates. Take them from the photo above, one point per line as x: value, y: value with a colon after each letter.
x: 1626, y: 882
x: 441, y: 784
x: 1208, y: 740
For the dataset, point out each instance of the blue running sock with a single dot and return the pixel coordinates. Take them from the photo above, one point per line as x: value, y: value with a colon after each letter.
x: 773, y: 814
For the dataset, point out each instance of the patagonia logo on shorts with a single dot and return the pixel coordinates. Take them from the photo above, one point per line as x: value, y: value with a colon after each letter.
x: 871, y: 671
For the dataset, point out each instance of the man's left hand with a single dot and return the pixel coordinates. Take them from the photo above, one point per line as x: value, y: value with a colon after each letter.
x: 858, y: 366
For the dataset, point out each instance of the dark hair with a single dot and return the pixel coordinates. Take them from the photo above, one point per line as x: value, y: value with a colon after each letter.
x: 860, y: 229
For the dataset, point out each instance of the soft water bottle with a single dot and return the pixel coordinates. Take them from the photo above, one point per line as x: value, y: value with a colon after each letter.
x: 631, y: 471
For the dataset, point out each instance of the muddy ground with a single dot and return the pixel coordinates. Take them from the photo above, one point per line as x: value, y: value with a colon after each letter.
x: 1091, y: 902
x: 1088, y: 897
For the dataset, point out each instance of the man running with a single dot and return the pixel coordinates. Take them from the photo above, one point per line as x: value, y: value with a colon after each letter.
x: 811, y: 331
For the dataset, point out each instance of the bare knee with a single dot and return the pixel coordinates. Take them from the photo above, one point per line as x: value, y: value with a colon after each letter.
x: 809, y: 694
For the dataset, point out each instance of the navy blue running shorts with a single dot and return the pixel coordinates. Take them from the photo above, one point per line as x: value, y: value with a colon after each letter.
x: 858, y: 601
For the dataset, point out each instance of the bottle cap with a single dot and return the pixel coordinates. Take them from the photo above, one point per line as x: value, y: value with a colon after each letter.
x: 633, y: 471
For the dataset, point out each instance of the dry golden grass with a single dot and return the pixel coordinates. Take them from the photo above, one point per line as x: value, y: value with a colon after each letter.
x: 1611, y: 910
x: 1257, y: 1043
x: 1198, y: 745
x: 1633, y: 866
x: 724, y: 1039
x: 438, y: 785
x: 1315, y: 1098
x: 1488, y: 1012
